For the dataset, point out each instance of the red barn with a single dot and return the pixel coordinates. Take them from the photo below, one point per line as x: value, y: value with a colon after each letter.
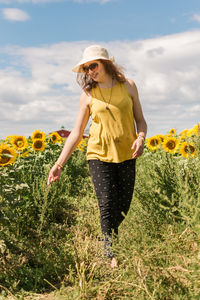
x: 65, y: 133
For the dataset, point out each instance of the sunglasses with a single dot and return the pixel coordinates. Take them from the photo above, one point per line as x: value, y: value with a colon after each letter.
x: 91, y: 67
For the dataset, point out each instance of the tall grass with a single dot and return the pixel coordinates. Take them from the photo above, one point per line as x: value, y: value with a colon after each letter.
x: 50, y: 246
x: 168, y: 190
x: 35, y: 221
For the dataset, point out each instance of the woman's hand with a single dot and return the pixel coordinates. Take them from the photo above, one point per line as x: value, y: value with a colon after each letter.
x: 138, y: 147
x: 54, y: 174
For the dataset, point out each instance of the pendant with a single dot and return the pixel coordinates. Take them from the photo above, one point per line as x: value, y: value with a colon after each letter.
x: 107, y: 107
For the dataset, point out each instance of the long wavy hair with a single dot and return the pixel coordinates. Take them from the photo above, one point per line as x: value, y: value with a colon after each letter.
x: 87, y: 83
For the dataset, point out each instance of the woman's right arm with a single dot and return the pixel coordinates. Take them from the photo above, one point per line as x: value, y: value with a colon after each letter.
x: 73, y: 139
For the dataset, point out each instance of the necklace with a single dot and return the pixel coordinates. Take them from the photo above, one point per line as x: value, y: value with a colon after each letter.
x: 107, y: 105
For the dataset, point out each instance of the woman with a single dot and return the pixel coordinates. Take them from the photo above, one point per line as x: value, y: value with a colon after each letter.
x: 112, y: 102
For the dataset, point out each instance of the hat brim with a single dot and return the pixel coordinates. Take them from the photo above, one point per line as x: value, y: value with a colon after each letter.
x: 78, y: 68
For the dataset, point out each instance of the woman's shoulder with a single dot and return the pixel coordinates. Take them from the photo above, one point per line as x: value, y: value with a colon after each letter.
x: 85, y: 97
x: 131, y: 87
x: 129, y: 83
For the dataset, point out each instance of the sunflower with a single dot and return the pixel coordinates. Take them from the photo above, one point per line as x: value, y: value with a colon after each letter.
x: 82, y: 145
x: 182, y: 138
x: 37, y: 134
x: 84, y: 142
x: 194, y: 131
x: 170, y: 144
x: 172, y: 131
x: 81, y: 148
x: 184, y: 132
x: 9, y: 138
x: 8, y: 155
x: 55, y: 137
x: 162, y: 137
x: 154, y: 142
x: 19, y: 142
x: 187, y: 150
x: 38, y: 144
x: 190, y: 132
x: 25, y: 154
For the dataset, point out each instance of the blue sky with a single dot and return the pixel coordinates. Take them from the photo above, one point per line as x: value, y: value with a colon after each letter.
x: 157, y: 41
x: 52, y: 22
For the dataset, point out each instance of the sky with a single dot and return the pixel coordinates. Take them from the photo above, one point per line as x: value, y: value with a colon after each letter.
x: 157, y: 43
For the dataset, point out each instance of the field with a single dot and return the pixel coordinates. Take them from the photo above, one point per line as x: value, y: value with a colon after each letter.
x: 50, y: 238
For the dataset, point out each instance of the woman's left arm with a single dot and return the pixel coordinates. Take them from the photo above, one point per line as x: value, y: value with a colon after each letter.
x: 141, y: 124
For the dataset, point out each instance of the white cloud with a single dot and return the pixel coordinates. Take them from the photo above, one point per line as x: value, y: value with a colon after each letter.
x: 196, y: 18
x: 39, y: 91
x: 15, y: 14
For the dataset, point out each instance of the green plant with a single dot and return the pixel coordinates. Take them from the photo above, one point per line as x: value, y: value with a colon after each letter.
x: 35, y: 219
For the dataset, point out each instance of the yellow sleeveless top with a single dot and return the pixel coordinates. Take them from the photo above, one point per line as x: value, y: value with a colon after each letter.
x: 112, y: 132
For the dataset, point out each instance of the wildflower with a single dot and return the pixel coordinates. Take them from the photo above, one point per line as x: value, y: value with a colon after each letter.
x: 184, y: 133
x: 182, y: 138
x: 19, y: 142
x: 8, y: 155
x: 82, y: 145
x: 187, y: 150
x: 25, y: 154
x: 172, y: 131
x: 154, y: 142
x: 38, y: 144
x: 162, y: 137
x: 194, y: 131
x: 9, y: 138
x: 55, y: 137
x: 37, y: 134
x: 81, y: 148
x: 170, y: 144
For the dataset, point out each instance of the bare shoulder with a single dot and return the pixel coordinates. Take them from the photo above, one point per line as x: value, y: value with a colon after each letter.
x: 85, y: 98
x: 130, y: 82
x: 131, y: 87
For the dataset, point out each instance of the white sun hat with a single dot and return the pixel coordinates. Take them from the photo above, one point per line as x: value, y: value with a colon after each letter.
x: 93, y: 52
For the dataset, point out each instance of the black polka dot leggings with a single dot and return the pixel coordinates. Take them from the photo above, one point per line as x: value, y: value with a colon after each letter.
x: 114, y: 184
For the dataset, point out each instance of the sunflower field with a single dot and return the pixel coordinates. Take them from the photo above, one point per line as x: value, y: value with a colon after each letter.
x: 173, y: 170
x: 49, y: 235
x: 33, y: 215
